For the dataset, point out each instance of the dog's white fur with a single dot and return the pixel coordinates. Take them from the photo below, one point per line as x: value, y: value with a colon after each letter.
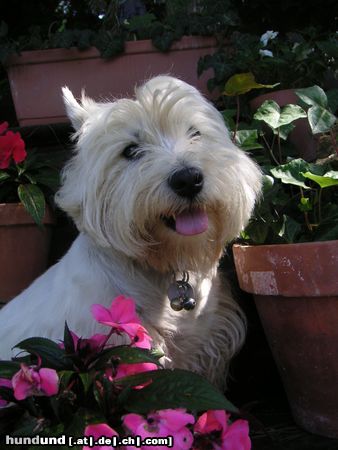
x: 124, y: 247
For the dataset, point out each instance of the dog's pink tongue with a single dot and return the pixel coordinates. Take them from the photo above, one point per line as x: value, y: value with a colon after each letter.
x: 191, y: 222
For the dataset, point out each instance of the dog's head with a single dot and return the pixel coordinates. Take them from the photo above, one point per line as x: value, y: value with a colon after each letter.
x: 158, y: 178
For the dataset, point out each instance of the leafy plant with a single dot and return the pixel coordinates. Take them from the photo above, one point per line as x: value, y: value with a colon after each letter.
x: 300, y: 199
x: 106, y: 25
x: 96, y: 387
x: 296, y: 59
x: 26, y: 177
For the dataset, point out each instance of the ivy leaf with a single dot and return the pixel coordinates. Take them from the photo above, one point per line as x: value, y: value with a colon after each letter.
x: 268, y: 112
x: 243, y: 82
x: 305, y: 204
x: 292, y: 173
x: 290, y: 113
x: 247, y: 139
x: 290, y: 229
x: 326, y: 180
x: 174, y: 389
x: 313, y: 96
x: 284, y: 131
x: 277, y: 118
x: 320, y: 119
x: 33, y: 200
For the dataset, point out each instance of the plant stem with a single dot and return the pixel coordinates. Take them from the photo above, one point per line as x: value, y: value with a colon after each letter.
x: 237, y: 118
x: 320, y: 205
x: 306, y: 216
x: 270, y: 150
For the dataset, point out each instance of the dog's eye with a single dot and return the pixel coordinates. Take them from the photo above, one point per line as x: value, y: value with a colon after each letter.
x: 193, y: 132
x: 132, y: 152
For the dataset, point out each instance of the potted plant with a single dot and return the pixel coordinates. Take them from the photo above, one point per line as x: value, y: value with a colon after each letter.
x: 90, y: 392
x: 106, y: 53
x: 27, y: 178
x: 288, y: 258
x: 295, y: 59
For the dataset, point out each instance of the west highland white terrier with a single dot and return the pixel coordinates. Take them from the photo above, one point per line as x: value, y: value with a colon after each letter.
x: 156, y: 188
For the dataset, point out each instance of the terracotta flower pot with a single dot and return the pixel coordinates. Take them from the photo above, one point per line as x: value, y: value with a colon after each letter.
x: 301, y: 137
x: 295, y: 288
x: 24, y: 249
x: 41, y: 74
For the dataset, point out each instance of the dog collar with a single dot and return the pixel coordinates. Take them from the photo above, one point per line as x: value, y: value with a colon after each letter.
x: 181, y: 294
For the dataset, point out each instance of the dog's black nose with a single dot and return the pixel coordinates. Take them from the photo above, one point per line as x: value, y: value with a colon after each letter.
x: 187, y: 182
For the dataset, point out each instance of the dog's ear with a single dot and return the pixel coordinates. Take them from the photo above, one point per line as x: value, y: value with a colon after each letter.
x: 77, y: 112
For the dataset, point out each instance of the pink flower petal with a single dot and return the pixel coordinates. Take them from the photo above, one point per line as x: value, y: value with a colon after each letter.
x: 123, y: 310
x: 98, y: 430
x: 237, y: 436
x: 19, y: 153
x: 133, y: 422
x: 142, y: 339
x: 49, y: 382
x: 183, y: 439
x: 211, y: 421
x: 101, y: 314
x: 175, y: 419
x: 22, y: 387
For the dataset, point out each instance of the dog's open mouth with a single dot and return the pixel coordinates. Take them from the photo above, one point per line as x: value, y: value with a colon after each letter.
x: 190, y: 222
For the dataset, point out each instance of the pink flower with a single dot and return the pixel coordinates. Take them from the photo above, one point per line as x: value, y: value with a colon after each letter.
x: 4, y: 382
x: 33, y: 381
x: 121, y: 316
x: 168, y: 422
x: 11, y: 146
x: 97, y: 431
x: 125, y: 370
x: 212, y: 430
x: 142, y: 339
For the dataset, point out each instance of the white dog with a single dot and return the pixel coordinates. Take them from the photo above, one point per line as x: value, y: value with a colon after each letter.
x: 156, y: 188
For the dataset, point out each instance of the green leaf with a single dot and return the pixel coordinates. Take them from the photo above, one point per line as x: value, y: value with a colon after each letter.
x: 313, y: 96
x: 327, y: 180
x: 305, y: 204
x: 278, y: 118
x: 51, y: 354
x: 290, y: 229
x: 8, y: 368
x: 68, y: 340
x: 243, y: 82
x: 247, y: 139
x: 3, y: 176
x: 174, y: 389
x: 126, y: 355
x: 33, y: 200
x: 284, y: 131
x: 268, y: 112
x: 87, y: 380
x: 228, y: 115
x: 290, y: 113
x: 292, y: 172
x: 320, y: 119
x: 48, y: 177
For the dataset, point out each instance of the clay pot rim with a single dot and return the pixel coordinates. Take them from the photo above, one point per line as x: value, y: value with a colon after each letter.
x: 293, y: 244
x: 16, y: 214
x: 307, y: 269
